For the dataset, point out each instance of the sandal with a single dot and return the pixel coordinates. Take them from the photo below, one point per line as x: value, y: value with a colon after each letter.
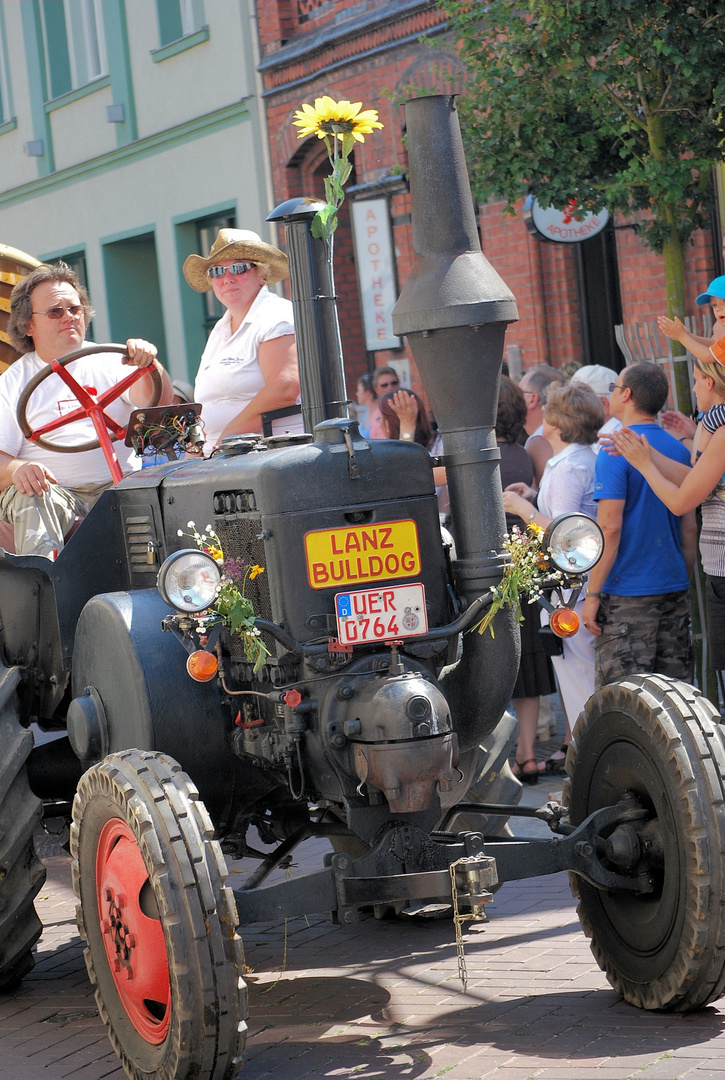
x: 526, y: 776
x: 554, y: 766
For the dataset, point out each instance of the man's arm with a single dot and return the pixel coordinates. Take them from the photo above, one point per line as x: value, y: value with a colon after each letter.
x: 29, y: 477
x: 142, y: 354
x: 610, y: 513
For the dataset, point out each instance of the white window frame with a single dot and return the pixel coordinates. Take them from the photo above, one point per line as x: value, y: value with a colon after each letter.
x: 87, y: 57
x: 192, y: 16
x: 94, y: 44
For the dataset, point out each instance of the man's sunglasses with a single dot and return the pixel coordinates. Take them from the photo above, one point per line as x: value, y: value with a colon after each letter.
x: 74, y: 310
x: 387, y: 385
x: 235, y: 269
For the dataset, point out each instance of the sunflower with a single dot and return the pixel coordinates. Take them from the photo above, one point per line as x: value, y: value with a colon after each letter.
x: 336, y: 118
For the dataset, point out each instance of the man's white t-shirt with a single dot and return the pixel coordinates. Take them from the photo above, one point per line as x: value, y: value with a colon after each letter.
x: 229, y: 374
x: 53, y: 399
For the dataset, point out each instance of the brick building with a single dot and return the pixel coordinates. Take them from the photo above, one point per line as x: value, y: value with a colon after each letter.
x: 569, y: 295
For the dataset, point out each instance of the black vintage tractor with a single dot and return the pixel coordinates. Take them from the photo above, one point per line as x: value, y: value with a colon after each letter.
x: 364, y: 721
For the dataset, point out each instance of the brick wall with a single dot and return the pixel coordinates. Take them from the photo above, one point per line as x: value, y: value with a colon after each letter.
x: 370, y: 62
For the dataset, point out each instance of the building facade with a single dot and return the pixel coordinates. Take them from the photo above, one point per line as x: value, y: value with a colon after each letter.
x: 570, y: 296
x: 130, y: 130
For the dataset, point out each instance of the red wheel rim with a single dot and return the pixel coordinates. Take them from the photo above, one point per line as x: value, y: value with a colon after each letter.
x: 134, y: 941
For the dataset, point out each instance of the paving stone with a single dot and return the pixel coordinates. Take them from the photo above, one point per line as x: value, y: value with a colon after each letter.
x: 382, y: 999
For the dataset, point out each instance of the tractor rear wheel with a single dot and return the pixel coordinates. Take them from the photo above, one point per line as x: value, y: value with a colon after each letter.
x: 160, y: 925
x: 21, y: 871
x: 659, y: 741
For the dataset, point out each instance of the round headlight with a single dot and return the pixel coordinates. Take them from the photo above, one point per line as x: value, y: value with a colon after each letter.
x: 574, y: 543
x: 189, y: 580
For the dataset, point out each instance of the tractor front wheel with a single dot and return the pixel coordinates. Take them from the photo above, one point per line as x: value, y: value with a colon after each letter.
x: 655, y: 742
x: 160, y: 925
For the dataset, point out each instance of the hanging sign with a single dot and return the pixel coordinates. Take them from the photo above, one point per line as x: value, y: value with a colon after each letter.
x: 375, y: 271
x: 561, y: 226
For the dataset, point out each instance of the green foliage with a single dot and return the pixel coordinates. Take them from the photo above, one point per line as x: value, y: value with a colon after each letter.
x: 528, y: 571
x: 231, y: 604
x: 324, y: 222
x: 618, y: 103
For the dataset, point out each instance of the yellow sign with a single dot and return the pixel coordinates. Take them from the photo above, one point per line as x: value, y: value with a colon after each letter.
x: 361, y: 554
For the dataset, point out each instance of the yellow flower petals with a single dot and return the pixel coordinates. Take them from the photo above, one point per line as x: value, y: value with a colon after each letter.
x: 335, y: 118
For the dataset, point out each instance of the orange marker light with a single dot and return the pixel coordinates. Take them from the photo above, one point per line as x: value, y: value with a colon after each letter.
x: 564, y: 622
x: 202, y: 666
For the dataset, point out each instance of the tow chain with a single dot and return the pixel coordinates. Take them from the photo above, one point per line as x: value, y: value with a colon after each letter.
x: 475, y: 867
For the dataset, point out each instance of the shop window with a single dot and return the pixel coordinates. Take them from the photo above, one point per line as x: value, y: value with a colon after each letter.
x: 179, y: 19
x: 75, y: 47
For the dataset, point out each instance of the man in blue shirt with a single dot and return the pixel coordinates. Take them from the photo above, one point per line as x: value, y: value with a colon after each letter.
x: 637, y: 602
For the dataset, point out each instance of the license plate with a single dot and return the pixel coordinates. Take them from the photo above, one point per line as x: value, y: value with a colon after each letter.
x: 397, y: 611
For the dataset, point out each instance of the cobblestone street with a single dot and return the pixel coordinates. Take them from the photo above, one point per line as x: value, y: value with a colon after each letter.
x: 383, y: 999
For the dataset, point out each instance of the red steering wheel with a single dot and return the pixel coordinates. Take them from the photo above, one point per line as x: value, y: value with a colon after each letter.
x: 107, y: 429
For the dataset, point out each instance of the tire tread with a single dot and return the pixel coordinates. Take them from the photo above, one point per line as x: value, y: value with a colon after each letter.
x: 172, y: 826
x: 685, y: 728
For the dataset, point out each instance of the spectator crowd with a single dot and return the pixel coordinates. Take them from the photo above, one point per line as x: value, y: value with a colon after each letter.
x: 603, y: 442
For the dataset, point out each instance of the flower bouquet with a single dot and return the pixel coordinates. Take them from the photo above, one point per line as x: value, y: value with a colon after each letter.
x: 231, y: 605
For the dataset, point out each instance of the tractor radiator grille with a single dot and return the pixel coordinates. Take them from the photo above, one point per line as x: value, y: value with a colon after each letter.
x: 239, y: 534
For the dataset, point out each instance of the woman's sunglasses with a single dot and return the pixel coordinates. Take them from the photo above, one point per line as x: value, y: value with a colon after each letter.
x: 235, y: 269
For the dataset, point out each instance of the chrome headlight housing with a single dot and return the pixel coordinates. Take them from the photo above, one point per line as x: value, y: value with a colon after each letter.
x: 574, y: 543
x: 189, y: 580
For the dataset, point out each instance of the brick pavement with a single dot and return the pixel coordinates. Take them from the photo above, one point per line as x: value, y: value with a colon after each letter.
x: 383, y: 999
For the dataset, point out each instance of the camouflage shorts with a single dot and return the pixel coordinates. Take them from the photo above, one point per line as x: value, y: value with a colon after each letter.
x: 643, y: 635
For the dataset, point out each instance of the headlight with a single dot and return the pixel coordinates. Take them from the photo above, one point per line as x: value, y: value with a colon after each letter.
x: 574, y: 543
x: 189, y: 580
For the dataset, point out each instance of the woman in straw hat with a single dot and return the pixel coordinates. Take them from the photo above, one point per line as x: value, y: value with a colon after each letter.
x: 249, y: 365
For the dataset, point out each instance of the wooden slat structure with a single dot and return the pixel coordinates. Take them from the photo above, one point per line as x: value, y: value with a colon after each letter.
x: 640, y: 342
x: 14, y: 265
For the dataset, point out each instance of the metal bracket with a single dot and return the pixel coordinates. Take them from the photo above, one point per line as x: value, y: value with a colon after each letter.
x: 352, y: 464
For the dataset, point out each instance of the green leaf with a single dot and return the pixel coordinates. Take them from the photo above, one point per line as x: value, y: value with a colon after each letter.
x: 611, y: 101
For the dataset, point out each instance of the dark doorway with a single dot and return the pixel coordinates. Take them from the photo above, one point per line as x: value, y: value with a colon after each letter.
x: 598, y: 297
x: 133, y: 291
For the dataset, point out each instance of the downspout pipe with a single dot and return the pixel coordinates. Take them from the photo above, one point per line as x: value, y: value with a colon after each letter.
x: 454, y: 310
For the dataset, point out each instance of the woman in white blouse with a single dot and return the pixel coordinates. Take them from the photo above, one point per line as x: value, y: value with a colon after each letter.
x: 249, y: 365
x: 573, y: 415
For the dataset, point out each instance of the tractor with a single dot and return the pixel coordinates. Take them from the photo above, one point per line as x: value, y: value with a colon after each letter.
x: 368, y: 715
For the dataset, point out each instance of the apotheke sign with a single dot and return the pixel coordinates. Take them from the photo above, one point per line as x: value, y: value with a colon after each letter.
x: 375, y: 271
x: 560, y: 225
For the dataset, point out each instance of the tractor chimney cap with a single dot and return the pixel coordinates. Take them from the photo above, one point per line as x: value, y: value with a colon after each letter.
x: 299, y: 208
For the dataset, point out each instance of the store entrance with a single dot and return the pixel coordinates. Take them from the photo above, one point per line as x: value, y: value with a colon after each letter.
x: 598, y: 298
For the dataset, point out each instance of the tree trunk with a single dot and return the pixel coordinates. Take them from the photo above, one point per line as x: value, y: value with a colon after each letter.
x: 675, y: 292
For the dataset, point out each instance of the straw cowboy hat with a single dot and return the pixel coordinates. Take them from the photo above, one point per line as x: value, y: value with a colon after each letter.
x: 237, y: 244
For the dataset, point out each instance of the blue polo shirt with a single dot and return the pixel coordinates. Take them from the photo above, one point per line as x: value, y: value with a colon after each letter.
x: 649, y: 560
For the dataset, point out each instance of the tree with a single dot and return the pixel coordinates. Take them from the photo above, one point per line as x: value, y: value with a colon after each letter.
x: 617, y: 103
